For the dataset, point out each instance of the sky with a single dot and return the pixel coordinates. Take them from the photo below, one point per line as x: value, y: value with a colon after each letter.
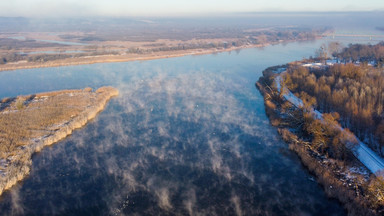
x: 81, y: 8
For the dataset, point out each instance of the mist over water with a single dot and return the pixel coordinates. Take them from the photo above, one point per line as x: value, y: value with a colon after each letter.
x: 182, y: 145
x: 186, y: 136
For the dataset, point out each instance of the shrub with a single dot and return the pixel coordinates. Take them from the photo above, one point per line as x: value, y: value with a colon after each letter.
x: 20, y: 103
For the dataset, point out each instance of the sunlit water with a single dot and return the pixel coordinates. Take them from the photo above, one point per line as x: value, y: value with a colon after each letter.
x: 186, y: 136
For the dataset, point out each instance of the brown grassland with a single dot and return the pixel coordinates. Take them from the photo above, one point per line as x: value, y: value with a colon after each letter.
x: 28, y: 123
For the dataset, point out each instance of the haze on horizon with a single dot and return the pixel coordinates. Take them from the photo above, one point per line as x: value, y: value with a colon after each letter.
x: 68, y: 8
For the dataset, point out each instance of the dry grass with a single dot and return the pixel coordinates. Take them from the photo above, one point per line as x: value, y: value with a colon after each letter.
x: 27, y: 123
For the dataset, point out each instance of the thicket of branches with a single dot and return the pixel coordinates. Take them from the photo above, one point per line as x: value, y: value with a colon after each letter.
x: 355, y: 92
x: 326, y: 150
x: 362, y: 53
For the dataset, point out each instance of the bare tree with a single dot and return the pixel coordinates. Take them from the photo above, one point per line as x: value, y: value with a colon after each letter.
x: 322, y: 53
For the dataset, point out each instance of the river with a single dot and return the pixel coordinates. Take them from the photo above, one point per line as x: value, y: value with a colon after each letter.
x: 186, y: 136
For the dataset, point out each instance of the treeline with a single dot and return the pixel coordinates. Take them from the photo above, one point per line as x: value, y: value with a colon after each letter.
x: 258, y: 38
x: 184, y: 34
x: 12, y: 57
x: 49, y: 57
x: 355, y: 92
x: 241, y: 38
x: 362, y: 53
x: 11, y: 44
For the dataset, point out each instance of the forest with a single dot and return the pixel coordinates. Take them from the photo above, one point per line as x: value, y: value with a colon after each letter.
x: 350, y: 95
x: 354, y: 92
x: 361, y: 53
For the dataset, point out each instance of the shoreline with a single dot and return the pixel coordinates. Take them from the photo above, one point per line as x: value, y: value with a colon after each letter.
x: 118, y: 58
x: 19, y: 166
x: 343, y: 177
x: 324, y: 170
x: 133, y: 57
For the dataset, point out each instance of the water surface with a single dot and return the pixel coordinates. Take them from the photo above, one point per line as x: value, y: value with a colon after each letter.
x: 63, y: 42
x: 186, y: 136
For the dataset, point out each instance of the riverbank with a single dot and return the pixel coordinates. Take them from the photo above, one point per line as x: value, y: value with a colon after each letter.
x: 28, y: 123
x: 347, y: 181
x: 119, y: 58
x: 136, y: 42
x: 126, y: 57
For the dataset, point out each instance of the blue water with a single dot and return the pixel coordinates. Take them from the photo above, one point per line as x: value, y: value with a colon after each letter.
x: 18, y: 37
x: 64, y: 42
x: 186, y: 136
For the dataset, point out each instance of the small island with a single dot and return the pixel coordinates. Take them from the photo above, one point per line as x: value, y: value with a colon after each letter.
x: 28, y: 123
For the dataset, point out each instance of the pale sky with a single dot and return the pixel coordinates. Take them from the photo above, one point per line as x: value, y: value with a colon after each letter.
x: 48, y: 8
